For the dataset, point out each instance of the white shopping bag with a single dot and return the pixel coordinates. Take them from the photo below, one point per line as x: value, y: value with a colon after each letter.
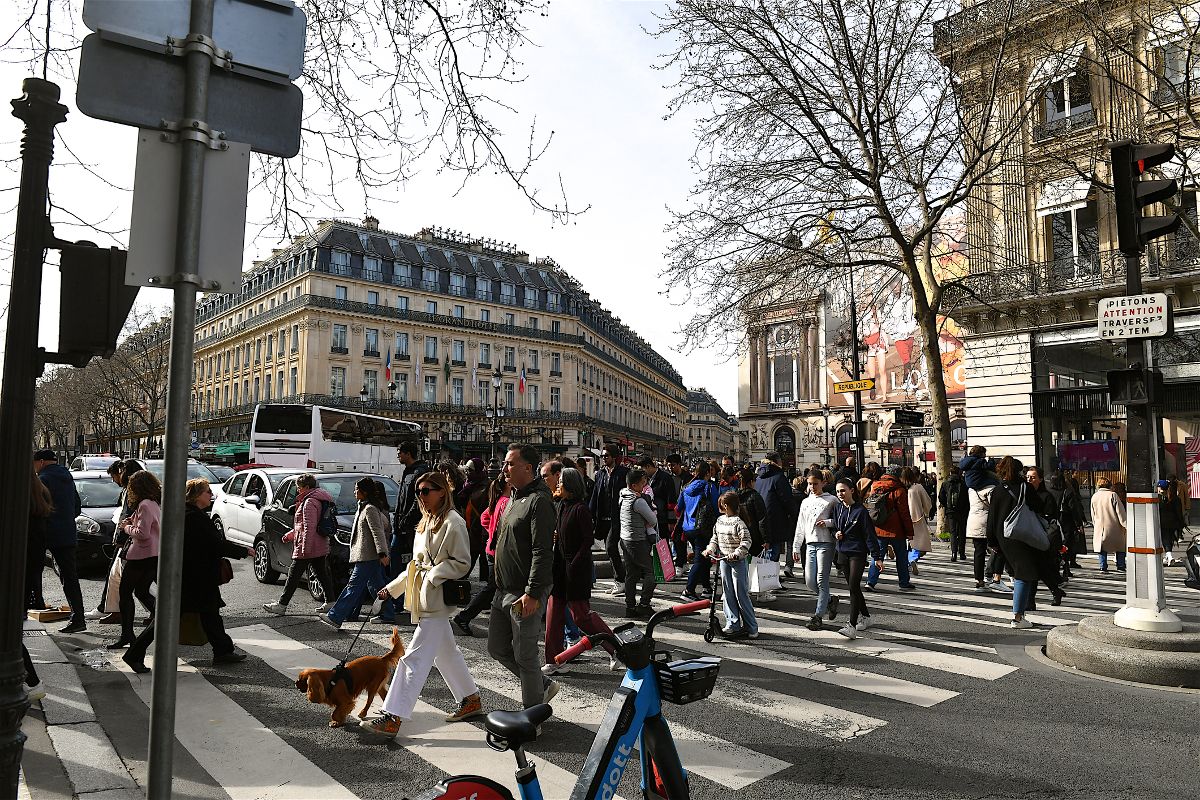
x: 764, y: 575
x: 112, y: 598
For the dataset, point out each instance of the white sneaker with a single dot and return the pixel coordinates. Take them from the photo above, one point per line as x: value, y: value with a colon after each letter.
x: 614, y: 665
x: 765, y: 597
x: 618, y: 589
x: 551, y: 691
x: 279, y: 609
x: 33, y: 695
x: 95, y: 614
x: 1021, y: 623
x: 863, y: 624
x: 848, y: 632
x: 1000, y: 586
x: 324, y: 608
x: 553, y: 669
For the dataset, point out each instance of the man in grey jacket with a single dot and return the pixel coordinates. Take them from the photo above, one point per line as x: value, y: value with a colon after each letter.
x: 524, y: 573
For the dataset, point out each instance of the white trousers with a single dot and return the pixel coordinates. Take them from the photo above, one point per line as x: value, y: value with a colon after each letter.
x: 432, y: 645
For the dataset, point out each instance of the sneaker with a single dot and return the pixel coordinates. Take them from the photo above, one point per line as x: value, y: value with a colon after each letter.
x: 1021, y: 623
x: 95, y: 614
x: 74, y: 626
x: 553, y: 669
x: 385, y: 726
x: 832, y: 611
x: 913, y: 569
x: 33, y: 695
x: 379, y: 619
x: 462, y: 626
x: 787, y: 573
x: 631, y: 612
x: 618, y: 589
x: 870, y: 587
x: 765, y: 597
x: 908, y: 587
x: 230, y: 658
x: 849, y: 632
x: 691, y: 597
x: 1001, y: 586
x: 614, y: 664
x: 753, y: 634
x: 330, y: 621
x: 1120, y: 569
x: 740, y: 633
x: 279, y: 609
x: 982, y: 588
x: 552, y: 688
x: 470, y: 707
x: 863, y: 624
x: 324, y: 608
x: 814, y: 624
x: 645, y: 611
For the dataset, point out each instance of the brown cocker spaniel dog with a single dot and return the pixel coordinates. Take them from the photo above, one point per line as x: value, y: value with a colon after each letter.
x: 366, y: 673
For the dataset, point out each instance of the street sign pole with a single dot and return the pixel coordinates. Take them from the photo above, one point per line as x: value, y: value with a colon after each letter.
x: 856, y: 361
x: 186, y: 282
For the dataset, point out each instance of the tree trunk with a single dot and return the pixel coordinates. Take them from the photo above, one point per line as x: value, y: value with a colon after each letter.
x: 927, y: 324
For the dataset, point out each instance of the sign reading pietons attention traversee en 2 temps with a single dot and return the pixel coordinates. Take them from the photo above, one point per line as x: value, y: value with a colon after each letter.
x: 1138, y: 316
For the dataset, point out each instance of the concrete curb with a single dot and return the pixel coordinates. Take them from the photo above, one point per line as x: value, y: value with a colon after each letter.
x: 1074, y: 646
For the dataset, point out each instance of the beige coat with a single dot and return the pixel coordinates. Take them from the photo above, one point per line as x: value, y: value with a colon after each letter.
x: 443, y: 554
x: 1108, y: 522
x: 370, y: 535
x: 977, y: 516
x: 918, y: 506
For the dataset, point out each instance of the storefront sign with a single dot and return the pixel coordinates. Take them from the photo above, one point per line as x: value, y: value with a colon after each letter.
x: 1139, y: 316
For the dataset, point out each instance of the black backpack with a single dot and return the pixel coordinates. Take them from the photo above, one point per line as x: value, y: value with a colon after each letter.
x: 705, y: 516
x: 327, y: 523
x: 954, y: 496
x: 879, y: 507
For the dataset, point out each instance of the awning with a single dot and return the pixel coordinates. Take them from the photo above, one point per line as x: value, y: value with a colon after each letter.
x: 233, y: 449
x: 1056, y: 66
x: 1063, y: 195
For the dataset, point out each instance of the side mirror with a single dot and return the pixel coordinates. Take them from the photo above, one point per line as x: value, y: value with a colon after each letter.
x: 254, y: 500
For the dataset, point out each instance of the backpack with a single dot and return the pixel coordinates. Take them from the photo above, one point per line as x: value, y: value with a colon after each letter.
x: 954, y: 496
x: 879, y: 507
x: 705, y: 516
x: 327, y: 523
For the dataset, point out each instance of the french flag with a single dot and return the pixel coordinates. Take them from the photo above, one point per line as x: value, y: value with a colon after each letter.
x: 387, y: 368
x: 521, y: 383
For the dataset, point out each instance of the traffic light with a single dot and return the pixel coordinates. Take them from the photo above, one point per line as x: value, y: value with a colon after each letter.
x: 95, y: 302
x: 1134, y: 386
x: 1129, y: 162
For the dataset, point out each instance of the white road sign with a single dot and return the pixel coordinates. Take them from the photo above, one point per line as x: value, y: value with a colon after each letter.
x: 1139, y: 316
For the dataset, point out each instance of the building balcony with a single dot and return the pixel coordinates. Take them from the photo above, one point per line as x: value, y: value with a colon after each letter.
x: 508, y: 299
x: 531, y: 302
x: 402, y: 280
x: 403, y: 357
x: 509, y: 368
x: 533, y: 371
x: 371, y: 353
x: 555, y: 373
x: 1055, y: 128
x: 484, y: 365
x: 455, y: 362
x: 342, y: 351
x: 430, y: 286
x: 459, y: 291
x: 429, y: 360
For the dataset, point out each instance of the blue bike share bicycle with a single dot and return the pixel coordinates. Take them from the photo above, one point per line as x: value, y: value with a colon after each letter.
x: 634, y: 720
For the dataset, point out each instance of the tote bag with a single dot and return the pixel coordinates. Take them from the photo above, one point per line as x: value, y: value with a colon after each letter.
x: 764, y: 575
x: 1024, y: 525
x: 665, y: 568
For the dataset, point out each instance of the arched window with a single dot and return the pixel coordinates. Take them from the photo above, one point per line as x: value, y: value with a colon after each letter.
x: 958, y: 435
x: 785, y: 444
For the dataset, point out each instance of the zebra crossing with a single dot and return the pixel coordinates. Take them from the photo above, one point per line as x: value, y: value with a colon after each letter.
x: 800, y: 690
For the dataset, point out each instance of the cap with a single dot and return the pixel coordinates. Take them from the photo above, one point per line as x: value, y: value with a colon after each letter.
x: 1164, y: 484
x: 44, y: 455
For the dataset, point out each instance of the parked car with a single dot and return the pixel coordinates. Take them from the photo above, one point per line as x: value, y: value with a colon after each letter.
x: 99, y: 461
x: 194, y: 470
x: 273, y: 556
x: 222, y: 471
x: 239, y: 510
x: 94, y: 525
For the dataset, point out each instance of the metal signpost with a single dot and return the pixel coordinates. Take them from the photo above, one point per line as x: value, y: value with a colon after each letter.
x: 158, y: 66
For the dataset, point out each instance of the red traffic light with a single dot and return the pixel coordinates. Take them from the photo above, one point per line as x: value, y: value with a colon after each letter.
x: 1146, y: 156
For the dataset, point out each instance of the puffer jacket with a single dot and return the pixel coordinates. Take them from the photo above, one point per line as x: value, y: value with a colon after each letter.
x: 980, y: 500
x: 690, y: 497
x: 306, y: 541
x: 371, y: 533
x: 637, y: 517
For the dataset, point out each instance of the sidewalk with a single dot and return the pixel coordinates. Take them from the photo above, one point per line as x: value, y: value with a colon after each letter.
x: 68, y: 753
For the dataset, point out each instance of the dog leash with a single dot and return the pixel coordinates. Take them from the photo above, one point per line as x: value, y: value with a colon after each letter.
x: 340, y: 673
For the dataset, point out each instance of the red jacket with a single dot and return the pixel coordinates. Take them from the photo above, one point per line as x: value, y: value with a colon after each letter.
x: 899, y: 523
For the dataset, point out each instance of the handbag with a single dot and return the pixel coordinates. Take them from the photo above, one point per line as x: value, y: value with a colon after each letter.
x: 226, y: 570
x: 1025, y: 526
x: 112, y: 597
x: 456, y: 593
x: 191, y: 632
x: 665, y: 567
x: 764, y: 575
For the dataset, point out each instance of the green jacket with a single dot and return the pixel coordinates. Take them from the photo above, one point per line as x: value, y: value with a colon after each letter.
x: 525, y: 542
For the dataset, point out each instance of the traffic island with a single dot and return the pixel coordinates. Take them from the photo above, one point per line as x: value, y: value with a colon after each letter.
x: 1098, y: 646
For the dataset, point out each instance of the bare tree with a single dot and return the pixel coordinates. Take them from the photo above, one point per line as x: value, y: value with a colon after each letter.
x: 832, y: 134
x: 391, y: 87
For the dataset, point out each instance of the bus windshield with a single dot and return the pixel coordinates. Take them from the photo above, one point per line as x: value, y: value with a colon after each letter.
x: 283, y: 419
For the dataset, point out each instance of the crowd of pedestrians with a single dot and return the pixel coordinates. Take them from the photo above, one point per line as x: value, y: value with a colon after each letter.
x: 531, y: 527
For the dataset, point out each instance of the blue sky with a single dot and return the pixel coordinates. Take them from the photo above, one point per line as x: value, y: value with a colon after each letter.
x: 590, y: 80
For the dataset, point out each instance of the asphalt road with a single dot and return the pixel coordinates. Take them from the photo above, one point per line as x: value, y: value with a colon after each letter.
x: 941, y: 700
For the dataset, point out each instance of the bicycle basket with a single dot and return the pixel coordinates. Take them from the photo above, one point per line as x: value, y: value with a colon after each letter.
x: 683, y: 682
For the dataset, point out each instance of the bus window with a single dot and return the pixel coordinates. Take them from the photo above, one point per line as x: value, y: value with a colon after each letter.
x: 283, y: 419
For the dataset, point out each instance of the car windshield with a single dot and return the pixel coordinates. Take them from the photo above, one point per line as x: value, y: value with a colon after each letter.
x: 222, y: 472
x: 194, y: 470
x: 342, y: 491
x: 97, y: 492
x: 277, y: 480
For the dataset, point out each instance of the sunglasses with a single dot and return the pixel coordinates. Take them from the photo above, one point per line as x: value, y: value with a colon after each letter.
x: 427, y: 490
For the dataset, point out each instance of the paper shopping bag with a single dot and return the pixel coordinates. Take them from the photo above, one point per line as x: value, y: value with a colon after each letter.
x: 112, y: 597
x: 764, y: 575
x: 665, y: 569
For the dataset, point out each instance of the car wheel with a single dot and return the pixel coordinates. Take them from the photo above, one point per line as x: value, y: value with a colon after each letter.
x: 262, y: 563
x: 314, y: 585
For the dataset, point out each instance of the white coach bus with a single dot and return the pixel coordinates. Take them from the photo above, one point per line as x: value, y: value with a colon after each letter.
x: 328, y: 439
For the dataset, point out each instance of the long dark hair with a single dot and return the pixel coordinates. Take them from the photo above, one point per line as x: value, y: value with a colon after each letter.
x: 374, y: 493
x: 497, y: 489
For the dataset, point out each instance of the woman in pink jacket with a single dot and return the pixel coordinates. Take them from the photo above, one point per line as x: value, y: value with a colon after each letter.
x: 309, y: 547
x: 490, y: 520
x: 144, y: 529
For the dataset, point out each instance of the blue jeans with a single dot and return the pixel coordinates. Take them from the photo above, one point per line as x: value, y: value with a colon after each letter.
x: 364, y: 576
x: 816, y: 572
x: 700, y: 565
x: 570, y: 629
x: 1120, y: 559
x: 735, y: 594
x: 901, y: 548
x: 1022, y: 594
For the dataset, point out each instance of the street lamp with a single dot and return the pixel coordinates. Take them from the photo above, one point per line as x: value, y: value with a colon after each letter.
x: 825, y: 412
x: 495, y: 414
x: 362, y: 397
x: 391, y: 387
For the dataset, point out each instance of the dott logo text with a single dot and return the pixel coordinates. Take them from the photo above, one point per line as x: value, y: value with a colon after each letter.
x: 613, y: 778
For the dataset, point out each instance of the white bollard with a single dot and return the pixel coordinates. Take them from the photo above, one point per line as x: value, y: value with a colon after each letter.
x: 1145, y: 594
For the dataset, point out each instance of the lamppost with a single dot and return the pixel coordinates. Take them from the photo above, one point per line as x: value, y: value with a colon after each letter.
x: 362, y: 398
x: 826, y: 442
x: 495, y: 414
x: 674, y: 431
x: 391, y: 387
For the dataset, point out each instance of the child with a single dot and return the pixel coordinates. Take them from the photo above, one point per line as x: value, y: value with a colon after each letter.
x: 731, y: 543
x: 977, y: 469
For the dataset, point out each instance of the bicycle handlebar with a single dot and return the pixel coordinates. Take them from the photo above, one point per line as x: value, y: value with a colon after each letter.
x: 592, y: 640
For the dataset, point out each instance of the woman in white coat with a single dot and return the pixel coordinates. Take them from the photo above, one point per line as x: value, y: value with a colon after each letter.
x: 919, y: 506
x: 1108, y: 524
x: 441, y: 552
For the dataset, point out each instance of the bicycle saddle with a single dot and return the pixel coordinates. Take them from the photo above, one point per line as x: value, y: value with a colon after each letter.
x: 517, y: 727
